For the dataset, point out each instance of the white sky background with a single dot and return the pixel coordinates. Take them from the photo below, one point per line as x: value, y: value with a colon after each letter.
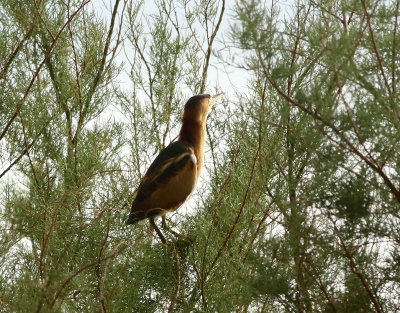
x: 228, y: 79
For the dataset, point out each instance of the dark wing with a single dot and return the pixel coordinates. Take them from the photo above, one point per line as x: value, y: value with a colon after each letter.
x: 169, y: 155
x: 169, y: 162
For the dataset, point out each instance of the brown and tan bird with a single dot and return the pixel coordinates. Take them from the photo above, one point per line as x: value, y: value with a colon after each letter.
x: 174, y: 173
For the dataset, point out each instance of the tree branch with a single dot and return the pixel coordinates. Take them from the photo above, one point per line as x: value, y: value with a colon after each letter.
x: 21, y: 102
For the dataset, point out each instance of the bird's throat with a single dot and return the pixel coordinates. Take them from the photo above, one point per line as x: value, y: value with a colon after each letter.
x: 194, y: 133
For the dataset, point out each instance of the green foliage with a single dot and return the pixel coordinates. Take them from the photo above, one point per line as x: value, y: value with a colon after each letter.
x: 298, y: 206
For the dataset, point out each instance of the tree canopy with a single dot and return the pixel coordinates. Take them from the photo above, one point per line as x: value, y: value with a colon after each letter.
x: 298, y: 209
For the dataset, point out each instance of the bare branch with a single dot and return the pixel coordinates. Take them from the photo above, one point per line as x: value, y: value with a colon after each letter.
x: 209, y: 49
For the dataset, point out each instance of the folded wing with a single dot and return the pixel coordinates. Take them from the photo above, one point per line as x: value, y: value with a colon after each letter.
x: 167, y: 183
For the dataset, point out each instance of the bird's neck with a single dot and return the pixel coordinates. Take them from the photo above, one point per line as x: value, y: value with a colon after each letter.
x: 194, y: 132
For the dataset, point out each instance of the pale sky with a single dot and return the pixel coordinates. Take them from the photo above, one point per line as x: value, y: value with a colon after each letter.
x: 226, y: 78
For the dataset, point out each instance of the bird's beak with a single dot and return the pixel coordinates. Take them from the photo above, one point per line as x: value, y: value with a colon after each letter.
x: 213, y: 99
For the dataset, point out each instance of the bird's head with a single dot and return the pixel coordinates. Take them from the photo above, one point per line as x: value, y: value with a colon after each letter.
x: 198, y: 107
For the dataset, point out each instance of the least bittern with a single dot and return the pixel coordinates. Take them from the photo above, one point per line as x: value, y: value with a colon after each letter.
x: 174, y: 173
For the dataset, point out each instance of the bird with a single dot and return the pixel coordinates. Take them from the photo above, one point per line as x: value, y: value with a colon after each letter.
x: 174, y: 173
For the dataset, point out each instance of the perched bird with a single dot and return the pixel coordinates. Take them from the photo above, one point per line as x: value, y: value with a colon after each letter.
x: 174, y: 173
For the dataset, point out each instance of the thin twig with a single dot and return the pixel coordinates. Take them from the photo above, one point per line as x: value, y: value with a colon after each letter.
x: 202, y: 275
x: 35, y: 75
x: 100, y: 281
x: 14, y: 53
x: 97, y: 79
x: 354, y: 268
x: 178, y: 280
x: 209, y: 49
x: 235, y: 223
x: 115, y: 251
x: 394, y: 49
x: 374, y: 45
x: 348, y: 145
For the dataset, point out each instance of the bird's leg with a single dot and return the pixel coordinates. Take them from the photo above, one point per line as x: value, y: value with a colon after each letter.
x: 164, y: 221
x: 158, y: 231
x: 165, y: 226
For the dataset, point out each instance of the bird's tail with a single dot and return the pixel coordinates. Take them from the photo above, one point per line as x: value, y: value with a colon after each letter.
x: 136, y: 216
x: 133, y: 219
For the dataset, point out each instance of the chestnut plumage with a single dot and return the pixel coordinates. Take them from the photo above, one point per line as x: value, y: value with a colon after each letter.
x: 174, y: 173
